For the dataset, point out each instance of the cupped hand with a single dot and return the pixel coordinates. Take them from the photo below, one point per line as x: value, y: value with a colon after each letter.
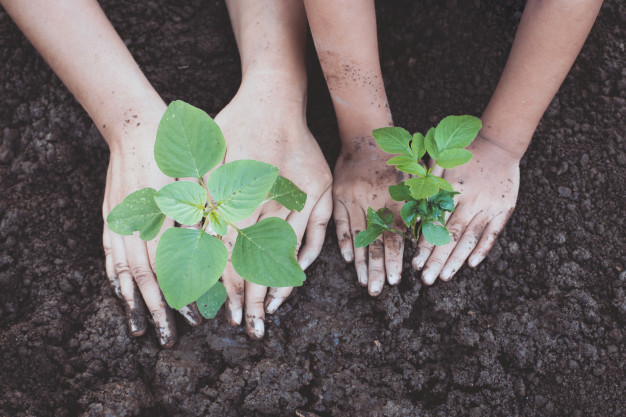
x: 130, y: 262
x: 262, y: 124
x: 362, y: 179
x: 488, y: 186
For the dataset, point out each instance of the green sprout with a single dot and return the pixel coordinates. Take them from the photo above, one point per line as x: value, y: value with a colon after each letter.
x: 189, y: 262
x: 427, y: 197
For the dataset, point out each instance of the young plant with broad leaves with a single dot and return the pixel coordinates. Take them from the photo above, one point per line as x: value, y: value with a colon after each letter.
x: 427, y: 197
x: 190, y: 261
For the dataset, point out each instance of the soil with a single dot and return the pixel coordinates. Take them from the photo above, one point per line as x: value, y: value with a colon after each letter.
x: 537, y: 330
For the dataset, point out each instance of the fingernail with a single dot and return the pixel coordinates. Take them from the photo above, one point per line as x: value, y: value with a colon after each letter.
x: 136, y: 323
x: 258, y: 327
x: 236, y: 315
x: 166, y: 338
x: 446, y: 273
x: 376, y: 288
x: 418, y: 263
x: 305, y: 263
x: 273, y: 305
x: 474, y: 261
x: 362, y: 274
x: 189, y: 315
x: 428, y: 277
x: 347, y: 255
x: 393, y: 278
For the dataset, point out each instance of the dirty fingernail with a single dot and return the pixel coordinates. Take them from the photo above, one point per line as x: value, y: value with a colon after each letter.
x: 273, y: 305
x: 347, y: 255
x: 166, y: 338
x: 190, y: 315
x: 376, y: 288
x: 428, y: 277
x: 258, y: 328
x: 474, y: 261
x: 393, y: 278
x: 446, y: 273
x: 236, y: 315
x: 417, y: 263
x: 362, y: 274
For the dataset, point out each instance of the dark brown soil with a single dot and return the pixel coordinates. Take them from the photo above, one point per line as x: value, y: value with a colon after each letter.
x: 537, y: 330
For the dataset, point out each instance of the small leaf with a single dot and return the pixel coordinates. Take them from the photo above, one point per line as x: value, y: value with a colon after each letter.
x: 218, y: 224
x: 430, y: 144
x: 211, y: 301
x: 288, y: 194
x: 264, y: 254
x: 434, y: 234
x: 413, y: 168
x: 422, y: 207
x: 188, y: 143
x: 240, y: 186
x: 451, y: 158
x: 393, y: 140
x: 456, y: 132
x: 400, y: 192
x: 400, y: 160
x: 188, y: 263
x: 441, y: 183
x: 422, y: 187
x: 418, y: 146
x: 138, y: 211
x: 384, y: 214
x: 367, y: 236
x: 183, y: 201
x: 444, y: 200
x: 409, y: 213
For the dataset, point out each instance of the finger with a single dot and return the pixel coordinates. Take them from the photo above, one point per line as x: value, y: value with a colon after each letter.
x: 440, y: 254
x: 342, y: 226
x: 276, y: 297
x: 143, y: 274
x: 255, y: 312
x: 424, y: 250
x: 109, y: 263
x: 191, y: 314
x: 464, y: 247
x: 376, y: 273
x: 489, y: 237
x: 316, y: 222
x: 135, y: 313
x: 394, y: 250
x: 233, y: 283
x: 357, y: 223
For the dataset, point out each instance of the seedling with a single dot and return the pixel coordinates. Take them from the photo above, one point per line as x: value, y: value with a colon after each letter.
x: 190, y: 261
x: 427, y: 196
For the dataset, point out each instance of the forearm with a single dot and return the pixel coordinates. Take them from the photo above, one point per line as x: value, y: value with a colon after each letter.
x: 344, y: 33
x: 84, y: 50
x: 550, y: 36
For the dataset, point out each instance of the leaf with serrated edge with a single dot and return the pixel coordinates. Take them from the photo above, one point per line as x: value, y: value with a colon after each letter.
x: 137, y: 212
x: 239, y: 187
x: 451, y: 158
x: 183, y: 201
x: 434, y: 234
x: 456, y: 132
x: 188, y: 263
x: 422, y: 187
x: 264, y: 254
x: 211, y: 301
x: 188, y: 143
x: 367, y: 236
x: 287, y: 194
x: 430, y: 144
x: 400, y: 192
x: 393, y: 140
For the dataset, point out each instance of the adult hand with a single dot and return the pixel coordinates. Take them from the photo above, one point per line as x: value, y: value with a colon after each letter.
x: 488, y: 186
x: 266, y: 123
x: 362, y: 179
x: 130, y: 262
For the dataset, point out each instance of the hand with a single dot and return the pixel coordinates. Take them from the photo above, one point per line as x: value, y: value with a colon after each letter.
x: 261, y: 123
x: 130, y: 262
x: 362, y: 178
x: 488, y: 186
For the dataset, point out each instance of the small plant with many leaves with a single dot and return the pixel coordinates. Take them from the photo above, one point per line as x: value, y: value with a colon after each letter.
x: 427, y: 197
x: 190, y: 261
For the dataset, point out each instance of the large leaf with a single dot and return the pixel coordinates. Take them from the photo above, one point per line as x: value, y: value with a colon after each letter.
x: 264, y: 254
x: 188, y: 143
x: 137, y: 212
x: 288, y: 194
x: 451, y: 158
x: 211, y: 301
x: 188, y: 263
x: 393, y: 140
x: 239, y: 187
x: 456, y: 131
x: 400, y: 192
x: 434, y: 234
x: 183, y: 201
x: 422, y: 187
x: 430, y: 144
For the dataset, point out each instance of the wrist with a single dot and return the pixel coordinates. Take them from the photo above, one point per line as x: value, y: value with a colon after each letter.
x: 492, y: 149
x: 277, y: 88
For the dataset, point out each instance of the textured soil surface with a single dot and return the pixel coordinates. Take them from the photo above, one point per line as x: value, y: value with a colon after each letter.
x: 537, y: 330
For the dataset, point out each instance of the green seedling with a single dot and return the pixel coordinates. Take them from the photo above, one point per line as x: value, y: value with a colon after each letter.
x: 427, y: 197
x: 190, y: 261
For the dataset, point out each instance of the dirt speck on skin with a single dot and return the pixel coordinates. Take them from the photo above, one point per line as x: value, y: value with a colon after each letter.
x: 536, y: 330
